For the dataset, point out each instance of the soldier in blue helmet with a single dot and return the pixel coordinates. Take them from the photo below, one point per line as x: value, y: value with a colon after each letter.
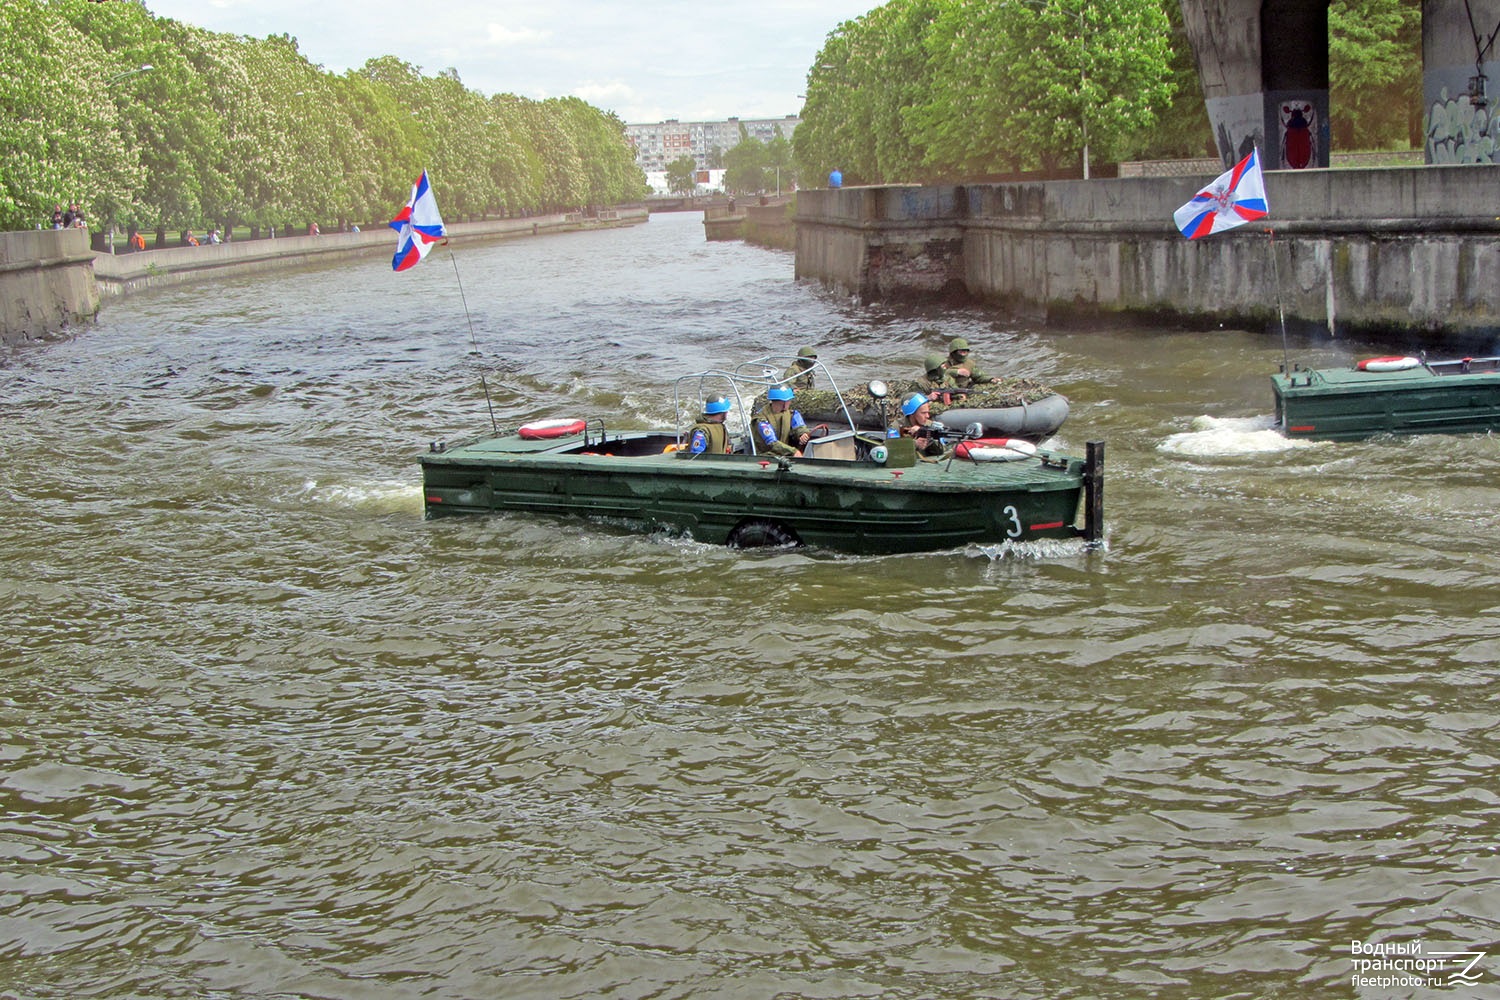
x: 709, y: 433
x: 779, y: 429
x: 919, y: 425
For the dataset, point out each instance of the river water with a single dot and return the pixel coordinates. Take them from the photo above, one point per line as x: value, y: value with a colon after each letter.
x: 268, y: 733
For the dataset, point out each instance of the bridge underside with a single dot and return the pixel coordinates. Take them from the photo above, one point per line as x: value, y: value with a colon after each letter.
x: 1264, y: 69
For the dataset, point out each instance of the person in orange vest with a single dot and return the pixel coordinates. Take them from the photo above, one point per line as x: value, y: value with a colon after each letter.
x: 138, y: 241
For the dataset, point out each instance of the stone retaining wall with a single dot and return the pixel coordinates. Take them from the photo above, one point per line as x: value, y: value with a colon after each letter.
x: 46, y: 283
x: 1406, y: 252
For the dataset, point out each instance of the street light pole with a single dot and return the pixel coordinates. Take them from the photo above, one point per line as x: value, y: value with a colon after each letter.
x: 1083, y: 123
x: 129, y: 72
x: 144, y: 68
x: 1083, y: 116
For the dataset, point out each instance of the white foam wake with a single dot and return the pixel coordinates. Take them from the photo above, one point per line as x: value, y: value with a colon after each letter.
x: 1231, y: 436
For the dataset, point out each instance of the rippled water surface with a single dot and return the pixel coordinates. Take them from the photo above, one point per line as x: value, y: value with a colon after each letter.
x: 270, y: 734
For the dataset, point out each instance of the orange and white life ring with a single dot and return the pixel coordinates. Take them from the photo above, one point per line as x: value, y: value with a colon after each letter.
x: 542, y: 429
x: 996, y: 449
x: 1390, y: 363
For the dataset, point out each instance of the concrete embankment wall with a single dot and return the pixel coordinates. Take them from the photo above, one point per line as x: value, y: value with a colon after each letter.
x: 123, y: 273
x: 1412, y: 253
x: 46, y: 282
x: 767, y: 225
x: 51, y: 281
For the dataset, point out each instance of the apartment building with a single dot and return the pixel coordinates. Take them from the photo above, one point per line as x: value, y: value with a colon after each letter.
x: 659, y: 143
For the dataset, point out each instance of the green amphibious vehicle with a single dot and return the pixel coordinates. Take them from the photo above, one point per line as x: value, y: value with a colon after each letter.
x: 849, y: 490
x: 1389, y: 395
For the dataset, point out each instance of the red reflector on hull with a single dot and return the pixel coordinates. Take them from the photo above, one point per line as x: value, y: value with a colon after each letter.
x: 1048, y: 525
x: 434, y: 499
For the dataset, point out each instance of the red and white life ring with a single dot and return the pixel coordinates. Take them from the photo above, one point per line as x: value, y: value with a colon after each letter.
x: 1390, y: 363
x: 996, y: 449
x: 540, y: 430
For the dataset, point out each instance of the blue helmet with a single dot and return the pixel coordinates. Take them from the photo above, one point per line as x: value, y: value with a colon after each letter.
x: 782, y: 392
x: 716, y: 404
x: 911, y: 404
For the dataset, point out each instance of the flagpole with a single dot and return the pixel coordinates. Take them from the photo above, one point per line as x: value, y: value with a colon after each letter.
x: 1286, y: 360
x: 472, y: 338
x: 419, y: 225
x: 461, y: 297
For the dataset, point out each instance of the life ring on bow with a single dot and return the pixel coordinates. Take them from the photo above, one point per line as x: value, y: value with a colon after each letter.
x: 1391, y: 363
x: 541, y: 430
x: 996, y: 449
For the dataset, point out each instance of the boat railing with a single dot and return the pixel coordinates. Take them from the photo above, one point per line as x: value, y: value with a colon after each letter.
x: 707, y: 383
x: 1463, y: 366
x: 750, y: 379
x: 593, y: 422
x: 771, y: 364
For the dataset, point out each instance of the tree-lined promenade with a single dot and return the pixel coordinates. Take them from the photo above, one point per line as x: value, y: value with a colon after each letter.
x: 156, y: 125
x: 952, y: 91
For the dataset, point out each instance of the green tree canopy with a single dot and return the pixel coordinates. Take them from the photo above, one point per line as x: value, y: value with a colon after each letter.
x: 745, y: 165
x: 228, y: 129
x: 682, y: 175
x: 1375, y: 73
x: 921, y: 90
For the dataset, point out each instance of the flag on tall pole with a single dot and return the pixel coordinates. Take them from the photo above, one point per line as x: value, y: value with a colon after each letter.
x: 1235, y: 197
x: 418, y: 226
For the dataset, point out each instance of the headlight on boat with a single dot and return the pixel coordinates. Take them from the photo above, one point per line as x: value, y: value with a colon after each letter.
x: 878, y: 454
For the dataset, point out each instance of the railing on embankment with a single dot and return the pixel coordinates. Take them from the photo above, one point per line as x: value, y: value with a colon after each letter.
x: 51, y: 281
x: 1405, y: 251
x: 122, y: 273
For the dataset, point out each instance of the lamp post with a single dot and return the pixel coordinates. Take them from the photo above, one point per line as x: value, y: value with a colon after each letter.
x: 110, y: 82
x: 129, y: 72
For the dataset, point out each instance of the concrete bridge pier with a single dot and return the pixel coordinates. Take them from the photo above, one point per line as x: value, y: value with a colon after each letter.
x: 1264, y: 69
x: 1263, y: 65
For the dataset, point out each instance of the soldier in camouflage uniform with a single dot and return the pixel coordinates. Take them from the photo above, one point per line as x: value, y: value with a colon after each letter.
x: 938, y: 381
x: 779, y: 429
x: 963, y: 366
x: 800, y: 374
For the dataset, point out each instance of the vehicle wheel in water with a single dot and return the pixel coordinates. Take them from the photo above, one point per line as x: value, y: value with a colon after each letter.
x: 762, y: 534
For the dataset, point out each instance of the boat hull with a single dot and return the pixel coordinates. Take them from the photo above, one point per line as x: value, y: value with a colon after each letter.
x: 847, y: 505
x: 1340, y: 404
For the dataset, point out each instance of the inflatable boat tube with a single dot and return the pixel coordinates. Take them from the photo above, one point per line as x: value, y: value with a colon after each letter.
x: 1035, y: 421
x: 1031, y: 421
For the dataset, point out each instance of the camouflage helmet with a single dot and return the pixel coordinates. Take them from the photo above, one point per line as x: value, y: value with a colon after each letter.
x: 957, y: 344
x: 933, y: 363
x: 807, y: 352
x: 716, y: 404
